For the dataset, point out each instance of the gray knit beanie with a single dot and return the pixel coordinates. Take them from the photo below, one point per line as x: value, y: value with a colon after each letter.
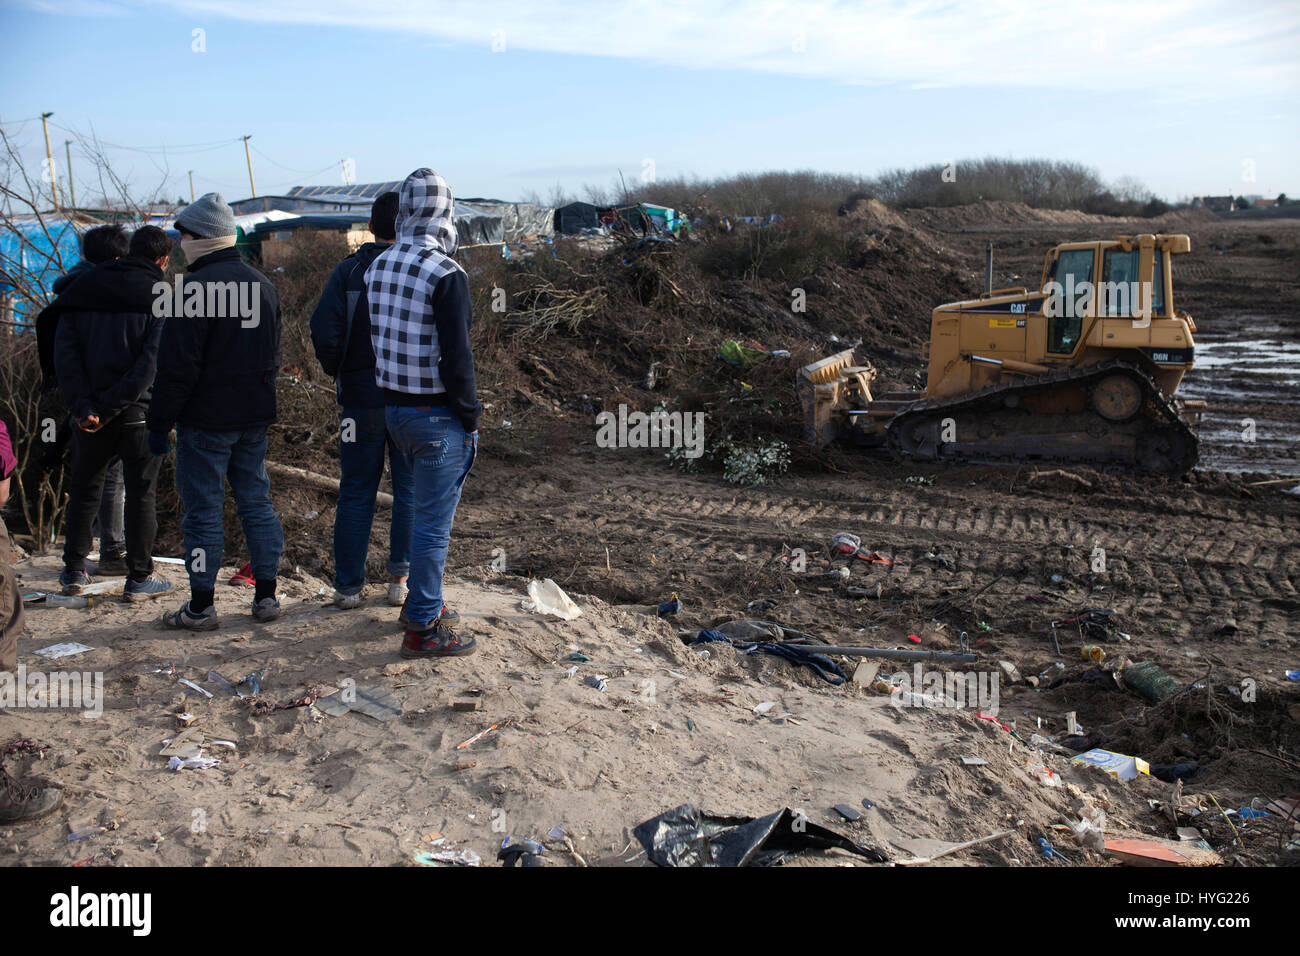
x: 208, y: 217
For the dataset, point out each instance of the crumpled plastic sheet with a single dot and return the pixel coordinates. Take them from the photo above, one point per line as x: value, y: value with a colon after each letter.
x: 826, y: 668
x: 685, y: 836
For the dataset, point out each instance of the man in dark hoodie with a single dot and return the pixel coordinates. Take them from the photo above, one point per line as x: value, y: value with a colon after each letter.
x: 105, y: 356
x: 217, y: 365
x: 99, y: 245
x: 420, y: 315
x: 340, y: 333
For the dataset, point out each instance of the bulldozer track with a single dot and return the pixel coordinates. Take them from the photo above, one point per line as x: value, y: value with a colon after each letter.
x: 1159, y: 413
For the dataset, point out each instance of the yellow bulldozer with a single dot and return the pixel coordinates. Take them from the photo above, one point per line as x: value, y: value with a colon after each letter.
x: 1083, y: 370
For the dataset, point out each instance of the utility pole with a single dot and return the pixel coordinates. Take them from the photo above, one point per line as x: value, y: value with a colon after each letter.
x: 249, y: 156
x: 72, y: 192
x: 49, y: 158
x: 191, y: 185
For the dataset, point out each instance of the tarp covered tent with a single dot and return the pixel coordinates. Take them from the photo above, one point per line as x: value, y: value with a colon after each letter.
x: 36, y: 255
x: 519, y: 220
x: 576, y: 216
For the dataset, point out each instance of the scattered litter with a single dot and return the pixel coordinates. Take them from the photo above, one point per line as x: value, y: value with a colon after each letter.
x: 374, y: 701
x: 596, y: 681
x: 1092, y: 652
x: 824, y: 666
x: 763, y: 605
x: 844, y: 545
x: 1293, y: 675
x: 479, y: 736
x: 555, y: 833
x: 68, y: 600
x: 685, y: 836
x: 86, y: 832
x: 764, y: 707
x: 549, y: 598
x: 1119, y: 766
x: 1043, y: 773
x: 474, y: 703
x: 1155, y: 852
x: 974, y: 761
x: 581, y: 658
x: 1049, y: 851
x: 457, y: 858
x: 191, y: 684
x: 936, y: 849
x: 193, y: 763
x: 671, y: 606
x: 571, y: 671
x: 516, y: 852
x: 55, y: 651
x: 847, y: 812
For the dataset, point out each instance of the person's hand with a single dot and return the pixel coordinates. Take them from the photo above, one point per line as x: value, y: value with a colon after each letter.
x: 158, y: 443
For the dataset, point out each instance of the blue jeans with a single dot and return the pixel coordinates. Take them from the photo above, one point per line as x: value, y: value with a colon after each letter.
x: 439, y: 453
x: 362, y: 463
x: 204, y: 460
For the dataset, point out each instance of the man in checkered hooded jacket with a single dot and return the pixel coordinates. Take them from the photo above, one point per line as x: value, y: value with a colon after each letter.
x: 420, y: 316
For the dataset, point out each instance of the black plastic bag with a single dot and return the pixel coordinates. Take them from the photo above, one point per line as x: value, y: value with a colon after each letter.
x: 685, y: 836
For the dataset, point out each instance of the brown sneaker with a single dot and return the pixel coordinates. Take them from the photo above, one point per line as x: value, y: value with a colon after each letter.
x: 19, y: 804
x: 437, y: 641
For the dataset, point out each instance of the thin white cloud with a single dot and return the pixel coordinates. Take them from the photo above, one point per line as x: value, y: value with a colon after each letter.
x: 1189, y: 49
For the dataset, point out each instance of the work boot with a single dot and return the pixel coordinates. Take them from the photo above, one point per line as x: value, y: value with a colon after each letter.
x: 71, y: 582
x: 19, y: 804
x: 437, y: 641
x: 150, y: 587
x: 449, y: 617
x: 187, y: 619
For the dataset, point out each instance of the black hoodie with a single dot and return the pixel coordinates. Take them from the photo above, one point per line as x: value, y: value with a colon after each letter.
x: 106, y: 347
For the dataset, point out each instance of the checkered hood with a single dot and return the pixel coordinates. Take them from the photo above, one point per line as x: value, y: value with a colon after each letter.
x: 400, y: 282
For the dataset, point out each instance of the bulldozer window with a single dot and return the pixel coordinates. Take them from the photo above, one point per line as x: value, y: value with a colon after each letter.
x: 1158, y: 284
x: 1119, y: 289
x: 1073, y: 270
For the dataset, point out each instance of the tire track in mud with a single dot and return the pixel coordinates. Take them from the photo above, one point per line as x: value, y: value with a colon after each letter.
x: 1191, y: 553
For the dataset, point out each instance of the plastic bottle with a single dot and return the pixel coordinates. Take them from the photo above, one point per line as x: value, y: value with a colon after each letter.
x: 68, y: 600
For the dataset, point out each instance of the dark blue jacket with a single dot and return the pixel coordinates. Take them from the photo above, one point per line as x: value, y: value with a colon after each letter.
x: 354, y: 372
x: 215, y: 372
x: 106, y: 346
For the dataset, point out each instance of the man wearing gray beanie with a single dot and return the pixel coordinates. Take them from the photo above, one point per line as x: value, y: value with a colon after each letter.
x: 217, y: 364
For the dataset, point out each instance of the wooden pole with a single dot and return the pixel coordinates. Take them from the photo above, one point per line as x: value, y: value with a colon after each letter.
x: 249, y: 156
x: 72, y: 192
x: 191, y: 185
x: 49, y: 158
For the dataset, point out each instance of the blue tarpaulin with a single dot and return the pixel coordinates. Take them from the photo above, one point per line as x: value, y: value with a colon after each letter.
x: 38, y: 256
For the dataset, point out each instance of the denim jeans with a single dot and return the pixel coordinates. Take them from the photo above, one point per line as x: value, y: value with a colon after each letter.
x: 204, y: 460
x: 362, y: 461
x: 439, y: 453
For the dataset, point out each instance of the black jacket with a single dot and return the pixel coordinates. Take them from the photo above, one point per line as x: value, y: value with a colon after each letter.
x: 354, y: 373
x: 106, y: 346
x: 216, y: 365
x: 47, y: 325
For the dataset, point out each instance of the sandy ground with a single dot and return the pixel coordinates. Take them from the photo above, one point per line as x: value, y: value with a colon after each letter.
x: 1201, y: 576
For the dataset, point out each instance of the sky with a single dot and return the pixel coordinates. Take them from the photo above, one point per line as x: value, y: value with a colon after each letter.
x: 506, y: 99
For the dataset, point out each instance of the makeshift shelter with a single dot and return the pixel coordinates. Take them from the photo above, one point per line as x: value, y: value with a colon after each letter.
x: 35, y: 254
x: 577, y: 216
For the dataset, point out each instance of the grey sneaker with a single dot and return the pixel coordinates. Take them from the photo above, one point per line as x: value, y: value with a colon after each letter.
x: 397, y: 592
x: 183, y: 617
x: 71, y: 582
x: 19, y: 803
x: 347, y: 601
x: 266, y: 610
x: 150, y: 587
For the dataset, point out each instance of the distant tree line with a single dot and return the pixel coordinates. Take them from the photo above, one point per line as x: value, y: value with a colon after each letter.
x: 1040, y: 183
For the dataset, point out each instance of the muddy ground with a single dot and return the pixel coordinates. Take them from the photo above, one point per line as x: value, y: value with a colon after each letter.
x: 1200, y: 576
